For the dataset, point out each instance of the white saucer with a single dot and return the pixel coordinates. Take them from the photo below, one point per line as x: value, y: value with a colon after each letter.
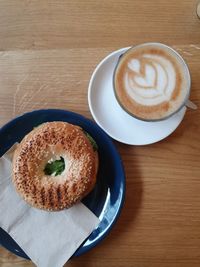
x: 113, y: 119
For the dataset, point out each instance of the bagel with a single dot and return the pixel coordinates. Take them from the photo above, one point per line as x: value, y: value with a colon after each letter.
x: 55, y: 166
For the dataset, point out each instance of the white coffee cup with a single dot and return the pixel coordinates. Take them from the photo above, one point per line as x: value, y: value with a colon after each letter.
x: 152, y: 82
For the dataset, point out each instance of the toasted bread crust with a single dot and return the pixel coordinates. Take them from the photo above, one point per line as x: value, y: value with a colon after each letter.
x: 50, y: 141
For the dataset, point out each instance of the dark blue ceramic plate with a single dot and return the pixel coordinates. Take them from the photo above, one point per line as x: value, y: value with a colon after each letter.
x: 108, y: 195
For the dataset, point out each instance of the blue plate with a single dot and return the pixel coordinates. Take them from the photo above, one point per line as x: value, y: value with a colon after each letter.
x: 108, y: 195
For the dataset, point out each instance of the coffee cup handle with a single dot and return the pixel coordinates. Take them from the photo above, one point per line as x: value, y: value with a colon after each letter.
x: 191, y: 105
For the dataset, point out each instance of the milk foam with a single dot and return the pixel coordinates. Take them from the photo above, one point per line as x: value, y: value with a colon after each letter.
x: 150, y: 79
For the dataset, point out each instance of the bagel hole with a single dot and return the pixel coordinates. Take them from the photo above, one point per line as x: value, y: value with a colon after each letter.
x: 55, y: 167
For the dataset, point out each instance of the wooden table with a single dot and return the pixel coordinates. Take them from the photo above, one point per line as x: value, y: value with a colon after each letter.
x: 48, y: 50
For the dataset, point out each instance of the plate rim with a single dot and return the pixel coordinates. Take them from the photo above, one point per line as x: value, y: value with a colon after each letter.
x: 95, y: 71
x: 81, y: 250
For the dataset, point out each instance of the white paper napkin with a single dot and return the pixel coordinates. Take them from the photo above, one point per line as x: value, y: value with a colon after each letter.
x: 48, y: 238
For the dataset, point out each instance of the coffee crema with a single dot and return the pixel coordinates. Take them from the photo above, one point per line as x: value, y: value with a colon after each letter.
x: 151, y: 81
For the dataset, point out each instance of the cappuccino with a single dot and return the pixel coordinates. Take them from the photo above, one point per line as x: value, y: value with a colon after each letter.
x: 151, y: 81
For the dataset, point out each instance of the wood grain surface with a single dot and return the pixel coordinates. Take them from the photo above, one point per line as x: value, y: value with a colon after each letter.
x: 48, y: 50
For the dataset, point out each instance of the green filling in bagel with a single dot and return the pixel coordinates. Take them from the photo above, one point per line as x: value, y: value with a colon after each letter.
x: 92, y: 141
x: 55, y: 167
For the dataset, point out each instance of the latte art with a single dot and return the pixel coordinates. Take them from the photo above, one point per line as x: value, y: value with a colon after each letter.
x: 147, y: 80
x: 150, y: 82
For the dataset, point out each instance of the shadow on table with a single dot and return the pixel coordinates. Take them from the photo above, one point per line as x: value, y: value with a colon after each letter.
x: 186, y: 131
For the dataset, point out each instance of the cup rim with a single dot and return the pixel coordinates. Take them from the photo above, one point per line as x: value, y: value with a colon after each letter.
x: 187, y: 71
